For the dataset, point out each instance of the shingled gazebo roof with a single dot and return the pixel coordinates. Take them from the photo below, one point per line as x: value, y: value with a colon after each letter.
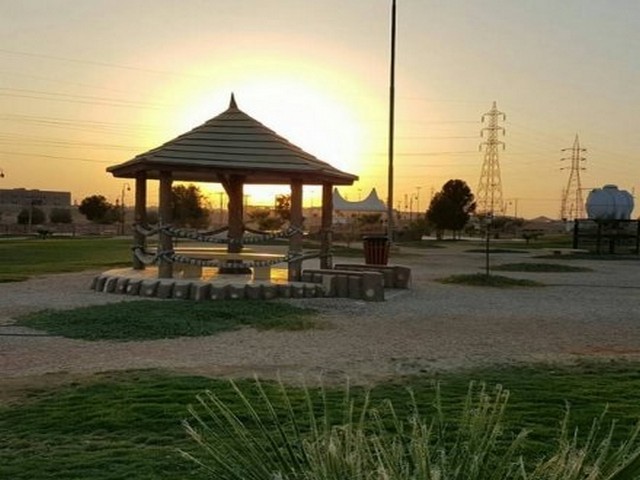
x: 233, y: 143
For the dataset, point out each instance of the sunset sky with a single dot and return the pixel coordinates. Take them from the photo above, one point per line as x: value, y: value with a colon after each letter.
x: 85, y: 84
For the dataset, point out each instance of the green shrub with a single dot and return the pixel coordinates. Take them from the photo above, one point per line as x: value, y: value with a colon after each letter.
x: 261, y: 435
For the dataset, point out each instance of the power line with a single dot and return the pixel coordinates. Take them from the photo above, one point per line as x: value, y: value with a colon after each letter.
x: 42, y: 155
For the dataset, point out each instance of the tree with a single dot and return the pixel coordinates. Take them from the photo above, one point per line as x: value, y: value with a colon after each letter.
x: 60, y: 215
x: 283, y: 207
x: 264, y: 219
x: 97, y: 209
x: 451, y: 208
x: 36, y: 215
x: 189, y: 207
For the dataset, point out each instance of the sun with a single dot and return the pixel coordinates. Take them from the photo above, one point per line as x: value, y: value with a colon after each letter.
x: 324, y: 110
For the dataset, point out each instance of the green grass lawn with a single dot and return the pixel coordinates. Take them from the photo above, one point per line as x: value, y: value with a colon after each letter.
x: 539, y: 267
x: 483, y: 280
x: 21, y: 258
x: 127, y: 425
x: 151, y: 320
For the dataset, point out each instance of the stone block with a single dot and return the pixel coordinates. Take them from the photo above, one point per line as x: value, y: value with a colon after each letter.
x: 181, y: 290
x: 219, y: 292
x: 402, y: 277
x: 133, y: 287
x: 165, y: 289
x: 99, y: 285
x: 329, y: 285
x: 199, y: 291
x: 148, y: 288
x: 341, y: 286
x: 110, y: 284
x: 297, y: 290
x: 309, y: 290
x: 253, y: 291
x: 236, y: 292
x: 94, y: 282
x: 284, y: 290
x: 121, y: 285
x: 269, y: 291
x: 355, y: 286
x: 372, y: 286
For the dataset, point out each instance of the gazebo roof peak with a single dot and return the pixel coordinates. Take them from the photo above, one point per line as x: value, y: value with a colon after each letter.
x: 232, y: 102
x: 233, y: 143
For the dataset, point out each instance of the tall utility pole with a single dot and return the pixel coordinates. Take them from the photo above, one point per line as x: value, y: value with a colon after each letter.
x: 572, y: 203
x: 489, y: 196
x: 391, y: 122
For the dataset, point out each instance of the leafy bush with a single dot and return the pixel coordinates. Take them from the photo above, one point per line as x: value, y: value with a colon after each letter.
x: 31, y: 215
x: 260, y: 435
x: 60, y: 215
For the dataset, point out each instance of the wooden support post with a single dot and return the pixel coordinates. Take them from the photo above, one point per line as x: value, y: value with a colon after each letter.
x: 326, y: 232
x: 234, y: 188
x: 295, y: 242
x: 140, y: 216
x: 165, y: 268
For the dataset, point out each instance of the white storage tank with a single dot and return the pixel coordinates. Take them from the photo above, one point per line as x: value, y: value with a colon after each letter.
x: 609, y: 203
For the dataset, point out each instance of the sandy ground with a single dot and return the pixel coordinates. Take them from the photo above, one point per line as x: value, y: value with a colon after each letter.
x: 431, y: 327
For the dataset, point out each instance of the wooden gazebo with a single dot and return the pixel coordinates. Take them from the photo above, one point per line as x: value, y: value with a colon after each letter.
x: 232, y: 149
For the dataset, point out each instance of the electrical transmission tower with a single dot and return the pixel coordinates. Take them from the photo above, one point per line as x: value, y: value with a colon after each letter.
x: 489, y: 196
x: 572, y: 202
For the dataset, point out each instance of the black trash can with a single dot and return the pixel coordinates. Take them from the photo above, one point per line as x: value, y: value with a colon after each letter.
x: 376, y: 249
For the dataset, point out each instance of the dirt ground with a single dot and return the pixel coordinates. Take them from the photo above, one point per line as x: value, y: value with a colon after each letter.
x: 431, y: 327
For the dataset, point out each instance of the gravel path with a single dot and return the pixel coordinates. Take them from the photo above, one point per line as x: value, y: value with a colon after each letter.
x: 428, y: 328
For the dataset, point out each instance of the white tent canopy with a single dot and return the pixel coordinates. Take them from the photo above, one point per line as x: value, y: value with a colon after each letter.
x: 370, y: 204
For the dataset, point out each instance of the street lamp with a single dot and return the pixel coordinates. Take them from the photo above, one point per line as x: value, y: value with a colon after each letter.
x: 127, y: 188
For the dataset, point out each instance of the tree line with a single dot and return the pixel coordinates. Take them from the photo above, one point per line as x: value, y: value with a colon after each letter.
x: 450, y: 209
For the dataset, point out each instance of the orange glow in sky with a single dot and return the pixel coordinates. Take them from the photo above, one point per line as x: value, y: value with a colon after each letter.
x: 86, y: 85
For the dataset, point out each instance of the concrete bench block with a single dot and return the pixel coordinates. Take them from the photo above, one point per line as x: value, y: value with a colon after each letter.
x: 121, y: 285
x: 262, y: 273
x: 253, y: 291
x: 372, y: 287
x: 94, y: 282
x: 297, y: 291
x: 269, y: 292
x: 133, y: 287
x: 219, y: 293
x: 165, y: 289
x: 236, y: 292
x: 181, y: 290
x: 110, y: 284
x: 341, y: 286
x: 354, y: 286
x: 187, y: 270
x: 284, y: 290
x: 395, y: 276
x: 148, y: 288
x: 199, y: 291
x: 402, y: 277
x: 328, y: 284
x: 100, y: 280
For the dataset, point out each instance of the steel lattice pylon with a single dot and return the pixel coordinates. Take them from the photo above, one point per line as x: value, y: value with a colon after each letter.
x: 572, y: 202
x: 489, y: 195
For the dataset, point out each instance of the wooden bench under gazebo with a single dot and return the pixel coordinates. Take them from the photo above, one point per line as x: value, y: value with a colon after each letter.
x: 234, y: 150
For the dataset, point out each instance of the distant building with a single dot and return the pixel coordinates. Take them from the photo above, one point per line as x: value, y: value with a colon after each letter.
x: 14, y: 200
x: 21, y: 197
